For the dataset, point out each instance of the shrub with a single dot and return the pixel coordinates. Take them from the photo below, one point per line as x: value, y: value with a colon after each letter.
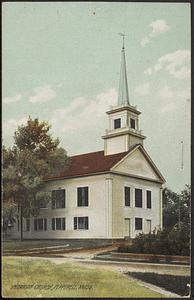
x: 166, y: 242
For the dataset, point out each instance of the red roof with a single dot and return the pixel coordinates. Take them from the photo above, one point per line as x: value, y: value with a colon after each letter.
x: 94, y: 162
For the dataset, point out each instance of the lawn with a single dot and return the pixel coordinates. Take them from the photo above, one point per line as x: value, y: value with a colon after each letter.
x: 41, y: 278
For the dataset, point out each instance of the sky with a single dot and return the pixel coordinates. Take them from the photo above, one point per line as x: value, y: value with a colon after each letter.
x: 61, y: 63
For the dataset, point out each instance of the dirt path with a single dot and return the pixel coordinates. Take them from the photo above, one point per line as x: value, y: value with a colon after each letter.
x: 85, y: 258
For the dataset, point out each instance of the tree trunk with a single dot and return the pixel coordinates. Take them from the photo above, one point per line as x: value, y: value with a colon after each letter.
x: 21, y: 224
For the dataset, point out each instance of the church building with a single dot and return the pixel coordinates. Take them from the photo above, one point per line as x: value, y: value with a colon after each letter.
x: 115, y: 193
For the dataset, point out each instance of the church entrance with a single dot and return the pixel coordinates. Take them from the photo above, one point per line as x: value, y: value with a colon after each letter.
x: 127, y: 229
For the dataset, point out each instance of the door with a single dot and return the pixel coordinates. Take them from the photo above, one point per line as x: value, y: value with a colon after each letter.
x: 148, y: 226
x: 127, y: 231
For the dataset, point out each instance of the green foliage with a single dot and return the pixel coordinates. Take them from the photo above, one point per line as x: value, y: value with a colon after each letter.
x: 9, y: 215
x: 177, y: 207
x: 175, y: 238
x: 34, y: 156
x: 35, y: 138
x: 165, y: 242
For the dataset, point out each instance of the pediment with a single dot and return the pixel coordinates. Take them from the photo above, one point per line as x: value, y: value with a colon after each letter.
x: 138, y: 163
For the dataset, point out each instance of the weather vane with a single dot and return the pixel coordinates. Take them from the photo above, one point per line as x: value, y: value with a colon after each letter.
x: 123, y: 35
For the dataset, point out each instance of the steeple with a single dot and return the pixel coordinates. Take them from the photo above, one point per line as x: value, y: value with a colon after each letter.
x: 123, y: 95
x: 123, y: 120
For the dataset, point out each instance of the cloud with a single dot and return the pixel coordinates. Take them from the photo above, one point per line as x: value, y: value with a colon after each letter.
x: 83, y: 113
x: 42, y: 94
x: 171, y: 99
x: 8, y: 128
x: 158, y: 27
x: 13, y: 123
x: 168, y: 107
x: 166, y: 92
x: 148, y: 71
x: 60, y: 84
x: 142, y: 90
x: 7, y: 100
x: 145, y: 41
x: 175, y: 63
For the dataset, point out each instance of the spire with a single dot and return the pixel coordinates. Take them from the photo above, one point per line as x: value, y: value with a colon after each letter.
x: 123, y: 96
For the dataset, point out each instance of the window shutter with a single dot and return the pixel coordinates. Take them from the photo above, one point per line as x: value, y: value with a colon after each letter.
x: 53, y: 199
x: 45, y: 224
x: 86, y: 196
x: 79, y: 196
x: 35, y: 224
x: 86, y: 222
x: 63, y: 223
x: 149, y: 205
x: 63, y: 202
x: 53, y: 223
x: 127, y: 196
x: 75, y: 223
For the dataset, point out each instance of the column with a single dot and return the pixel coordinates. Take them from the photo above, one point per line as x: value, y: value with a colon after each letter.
x: 108, y: 197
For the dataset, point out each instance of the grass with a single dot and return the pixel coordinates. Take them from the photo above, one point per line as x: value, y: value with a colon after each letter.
x: 42, y: 278
x: 17, y: 244
x: 107, y: 257
x: 172, y: 283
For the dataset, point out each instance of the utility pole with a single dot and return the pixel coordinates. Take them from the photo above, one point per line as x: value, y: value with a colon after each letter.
x: 179, y: 212
x: 181, y: 155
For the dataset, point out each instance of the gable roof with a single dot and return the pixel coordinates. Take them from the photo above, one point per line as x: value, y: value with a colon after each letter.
x: 89, y: 163
x: 97, y: 163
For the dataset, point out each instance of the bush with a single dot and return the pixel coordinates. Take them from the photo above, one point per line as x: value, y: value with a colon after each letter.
x: 166, y: 242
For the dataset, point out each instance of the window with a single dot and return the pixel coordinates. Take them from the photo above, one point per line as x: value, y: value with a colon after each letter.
x: 27, y: 224
x: 43, y: 204
x: 58, y: 223
x: 149, y: 199
x: 58, y: 199
x: 127, y: 196
x: 138, y: 198
x: 80, y: 223
x: 117, y: 123
x: 82, y: 196
x: 132, y: 122
x: 138, y: 223
x: 40, y: 224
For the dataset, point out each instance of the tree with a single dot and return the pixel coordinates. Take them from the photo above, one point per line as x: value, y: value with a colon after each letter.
x: 34, y: 156
x: 176, y: 209
x: 9, y: 216
x: 174, y: 239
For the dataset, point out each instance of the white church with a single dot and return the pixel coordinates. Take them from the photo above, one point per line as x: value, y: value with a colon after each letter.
x: 115, y: 193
